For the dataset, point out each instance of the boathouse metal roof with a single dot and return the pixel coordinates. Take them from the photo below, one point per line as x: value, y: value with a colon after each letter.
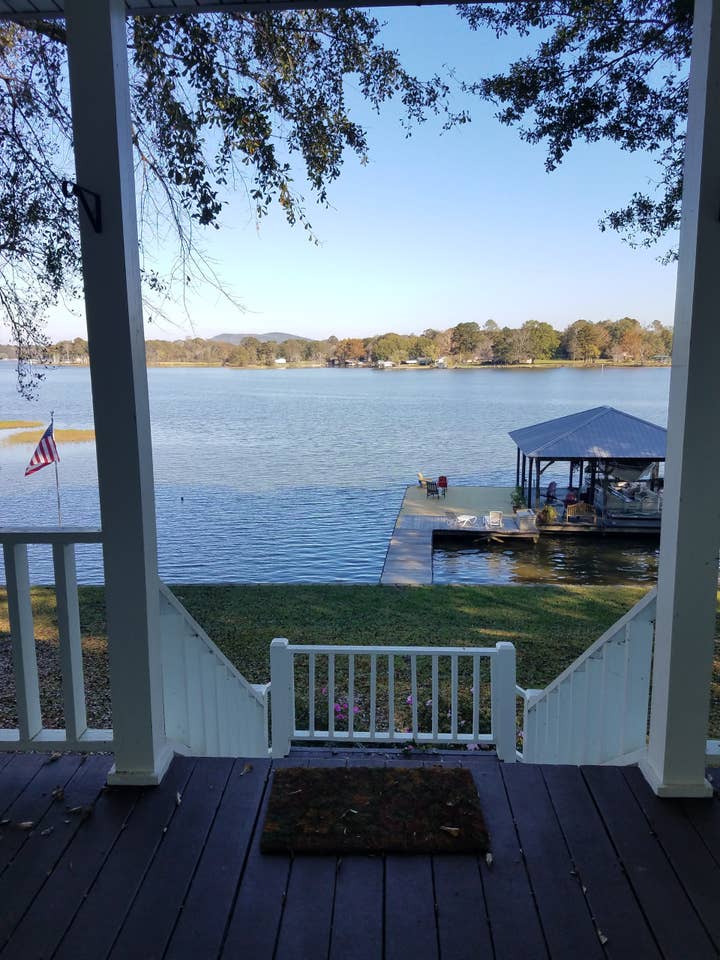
x: 602, y: 433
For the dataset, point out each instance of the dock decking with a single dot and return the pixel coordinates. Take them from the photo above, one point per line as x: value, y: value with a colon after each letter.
x: 409, y: 556
x: 587, y: 863
x: 408, y: 560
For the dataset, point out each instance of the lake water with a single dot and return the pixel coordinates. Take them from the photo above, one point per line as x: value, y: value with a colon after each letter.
x: 298, y: 475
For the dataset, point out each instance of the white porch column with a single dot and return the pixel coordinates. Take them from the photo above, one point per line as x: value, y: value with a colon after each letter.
x: 687, y: 584
x: 97, y: 53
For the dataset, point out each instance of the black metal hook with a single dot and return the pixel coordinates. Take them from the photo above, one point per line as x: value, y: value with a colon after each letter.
x: 90, y: 202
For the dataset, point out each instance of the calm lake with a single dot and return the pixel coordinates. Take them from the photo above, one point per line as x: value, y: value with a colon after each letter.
x: 298, y: 475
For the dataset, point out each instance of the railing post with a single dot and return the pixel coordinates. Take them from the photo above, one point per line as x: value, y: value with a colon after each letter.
x: 71, y: 662
x: 281, y: 697
x: 27, y: 689
x: 502, y: 677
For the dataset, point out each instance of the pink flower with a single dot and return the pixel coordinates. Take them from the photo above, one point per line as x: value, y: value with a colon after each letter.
x: 323, y: 691
x: 409, y: 700
x: 338, y: 708
x: 356, y: 709
x: 472, y: 746
x: 428, y: 703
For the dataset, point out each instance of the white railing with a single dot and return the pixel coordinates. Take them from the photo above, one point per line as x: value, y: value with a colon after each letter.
x: 356, y: 689
x: 30, y: 734
x: 210, y: 709
x: 597, y: 710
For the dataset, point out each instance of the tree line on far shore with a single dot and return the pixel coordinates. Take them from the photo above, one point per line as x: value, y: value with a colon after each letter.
x: 618, y: 341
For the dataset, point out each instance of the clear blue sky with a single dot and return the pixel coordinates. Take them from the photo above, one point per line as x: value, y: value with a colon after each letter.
x: 438, y: 228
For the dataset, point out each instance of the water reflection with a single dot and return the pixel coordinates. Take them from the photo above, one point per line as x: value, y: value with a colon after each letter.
x: 566, y: 559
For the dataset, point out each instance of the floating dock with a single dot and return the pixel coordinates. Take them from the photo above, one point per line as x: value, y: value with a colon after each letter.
x: 462, y: 514
x: 458, y: 514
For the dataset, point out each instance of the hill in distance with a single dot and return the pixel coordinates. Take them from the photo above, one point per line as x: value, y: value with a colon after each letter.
x: 237, y: 338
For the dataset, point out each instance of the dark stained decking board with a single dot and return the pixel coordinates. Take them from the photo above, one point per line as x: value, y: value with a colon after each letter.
x: 586, y: 863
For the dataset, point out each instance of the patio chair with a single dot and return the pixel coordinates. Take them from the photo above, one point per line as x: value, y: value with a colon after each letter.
x: 422, y: 480
x: 431, y: 488
x: 495, y: 519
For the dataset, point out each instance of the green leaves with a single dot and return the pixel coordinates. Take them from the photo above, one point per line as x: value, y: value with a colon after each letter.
x: 255, y: 102
x: 613, y: 70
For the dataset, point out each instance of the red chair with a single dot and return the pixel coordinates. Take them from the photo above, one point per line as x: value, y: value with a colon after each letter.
x: 442, y: 484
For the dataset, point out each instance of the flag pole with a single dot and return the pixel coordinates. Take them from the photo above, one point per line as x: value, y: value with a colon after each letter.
x: 57, y: 478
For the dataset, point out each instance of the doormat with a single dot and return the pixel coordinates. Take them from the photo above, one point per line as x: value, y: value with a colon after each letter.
x: 373, y: 810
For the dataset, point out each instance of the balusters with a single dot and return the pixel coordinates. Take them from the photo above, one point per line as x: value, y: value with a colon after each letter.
x: 391, y: 696
x: 68, y: 615
x: 453, y: 696
x: 476, y: 698
x: 331, y: 694
x: 351, y: 693
x: 23, y: 640
x: 414, y: 694
x: 373, y: 693
x: 435, y: 695
x: 311, y: 694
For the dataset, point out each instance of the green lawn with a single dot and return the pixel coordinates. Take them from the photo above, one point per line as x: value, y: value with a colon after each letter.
x: 549, y: 626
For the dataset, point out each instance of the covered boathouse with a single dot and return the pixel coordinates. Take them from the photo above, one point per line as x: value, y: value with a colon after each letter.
x: 614, y: 460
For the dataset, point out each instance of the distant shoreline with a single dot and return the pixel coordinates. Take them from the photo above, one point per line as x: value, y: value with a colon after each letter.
x: 537, y: 365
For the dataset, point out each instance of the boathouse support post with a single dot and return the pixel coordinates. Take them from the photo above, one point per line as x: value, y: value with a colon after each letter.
x: 517, y: 469
x: 100, y: 97
x: 688, y: 574
x: 529, y: 481
x: 522, y: 479
x: 537, y: 480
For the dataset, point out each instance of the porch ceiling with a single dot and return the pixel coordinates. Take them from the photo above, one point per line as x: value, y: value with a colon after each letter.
x: 31, y: 9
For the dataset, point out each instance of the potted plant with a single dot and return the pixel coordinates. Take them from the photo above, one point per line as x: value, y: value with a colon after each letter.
x: 547, y: 515
x: 517, y: 499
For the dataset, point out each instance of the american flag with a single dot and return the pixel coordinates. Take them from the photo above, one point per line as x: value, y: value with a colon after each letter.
x: 45, y: 453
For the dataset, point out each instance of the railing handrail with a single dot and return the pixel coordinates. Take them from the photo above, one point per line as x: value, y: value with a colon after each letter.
x: 534, y: 695
x: 51, y: 535
x: 397, y: 651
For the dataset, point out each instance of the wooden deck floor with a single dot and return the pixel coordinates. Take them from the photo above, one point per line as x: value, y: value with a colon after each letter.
x: 586, y: 864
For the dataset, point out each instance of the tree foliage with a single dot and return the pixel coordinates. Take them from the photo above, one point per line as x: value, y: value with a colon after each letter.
x: 613, y: 70
x: 253, y: 102
x: 620, y: 341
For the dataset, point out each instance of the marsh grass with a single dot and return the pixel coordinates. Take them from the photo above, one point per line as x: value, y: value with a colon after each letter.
x: 550, y: 627
x: 61, y: 436
x: 16, y: 424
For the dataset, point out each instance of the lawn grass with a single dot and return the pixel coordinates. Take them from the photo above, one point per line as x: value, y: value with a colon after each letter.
x: 550, y: 626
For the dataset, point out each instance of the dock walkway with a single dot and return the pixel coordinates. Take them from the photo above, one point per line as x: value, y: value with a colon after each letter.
x: 408, y: 560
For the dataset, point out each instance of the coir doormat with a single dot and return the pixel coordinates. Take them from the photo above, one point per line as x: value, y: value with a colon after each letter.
x: 373, y: 810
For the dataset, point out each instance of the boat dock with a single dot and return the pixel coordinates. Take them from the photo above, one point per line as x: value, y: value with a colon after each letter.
x: 463, y: 512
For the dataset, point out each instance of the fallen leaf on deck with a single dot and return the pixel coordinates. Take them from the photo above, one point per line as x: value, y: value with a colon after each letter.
x: 178, y: 799
x: 46, y: 832
x: 58, y: 793
x: 25, y: 824
x: 601, y: 936
x: 53, y: 757
x: 489, y: 859
x: 246, y: 769
x: 453, y: 831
